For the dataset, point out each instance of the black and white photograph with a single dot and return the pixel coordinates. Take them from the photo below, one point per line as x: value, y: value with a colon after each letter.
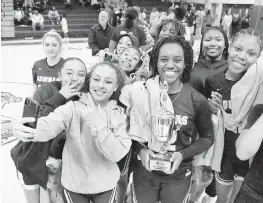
x: 131, y: 101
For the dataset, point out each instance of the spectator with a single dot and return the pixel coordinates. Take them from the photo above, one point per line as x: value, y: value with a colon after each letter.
x: 235, y: 22
x: 171, y: 13
x: 37, y: 21
x: 202, y: 18
x: 198, y: 23
x: 143, y: 15
x: 190, y: 17
x: 128, y: 27
x: 53, y: 16
x: 100, y: 34
x: 64, y: 25
x: 154, y: 16
x: 138, y: 21
x: 18, y: 16
x: 245, y: 23
x: 110, y: 12
x: 226, y: 23
x: 68, y: 4
x: 95, y: 4
x: 19, y: 3
x: 209, y: 19
x: 28, y: 16
x: 39, y: 5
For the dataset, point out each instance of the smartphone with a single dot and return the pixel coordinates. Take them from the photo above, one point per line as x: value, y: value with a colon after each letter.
x: 31, y: 109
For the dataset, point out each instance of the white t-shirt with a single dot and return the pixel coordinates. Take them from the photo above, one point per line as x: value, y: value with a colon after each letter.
x: 18, y: 14
x: 64, y: 25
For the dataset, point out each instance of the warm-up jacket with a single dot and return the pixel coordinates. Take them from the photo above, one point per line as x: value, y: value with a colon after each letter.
x: 203, y: 68
x: 99, y: 38
x: 30, y: 157
x: 89, y: 156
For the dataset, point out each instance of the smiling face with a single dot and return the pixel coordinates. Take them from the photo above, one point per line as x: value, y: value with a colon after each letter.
x: 243, y: 52
x: 167, y: 30
x: 103, y: 83
x: 129, y: 59
x: 171, y: 62
x: 213, y: 44
x: 51, y: 46
x: 124, y: 43
x: 73, y: 71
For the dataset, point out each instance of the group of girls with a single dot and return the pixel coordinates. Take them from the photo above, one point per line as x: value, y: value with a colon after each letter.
x: 97, y: 121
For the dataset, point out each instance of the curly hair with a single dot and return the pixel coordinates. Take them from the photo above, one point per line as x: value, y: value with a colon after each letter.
x: 120, y: 78
x: 139, y: 62
x: 225, y: 51
x: 179, y: 27
x: 250, y: 32
x: 188, y: 55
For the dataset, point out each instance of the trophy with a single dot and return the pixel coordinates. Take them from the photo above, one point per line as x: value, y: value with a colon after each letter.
x: 162, y: 128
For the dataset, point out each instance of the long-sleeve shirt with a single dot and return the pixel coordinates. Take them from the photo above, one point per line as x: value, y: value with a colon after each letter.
x: 89, y: 160
x: 18, y: 14
x: 99, y: 38
x: 192, y: 115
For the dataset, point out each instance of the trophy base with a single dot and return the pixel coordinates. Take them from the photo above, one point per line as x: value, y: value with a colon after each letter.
x: 160, y: 163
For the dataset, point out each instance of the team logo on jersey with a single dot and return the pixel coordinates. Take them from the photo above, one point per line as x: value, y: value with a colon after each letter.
x: 178, y: 123
x: 45, y: 79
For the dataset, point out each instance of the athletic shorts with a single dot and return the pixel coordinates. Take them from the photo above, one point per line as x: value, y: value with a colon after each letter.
x: 26, y: 182
x: 232, y: 169
x: 104, y: 197
x: 149, y: 190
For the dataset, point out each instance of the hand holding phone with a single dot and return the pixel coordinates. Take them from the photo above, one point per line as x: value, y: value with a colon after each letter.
x: 31, y: 109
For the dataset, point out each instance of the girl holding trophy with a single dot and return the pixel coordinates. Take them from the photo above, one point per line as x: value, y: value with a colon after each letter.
x: 166, y: 114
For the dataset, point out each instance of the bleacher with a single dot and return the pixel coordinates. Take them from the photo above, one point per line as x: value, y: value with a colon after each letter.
x: 80, y: 19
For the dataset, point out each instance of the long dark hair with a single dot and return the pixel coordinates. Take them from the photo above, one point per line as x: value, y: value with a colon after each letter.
x: 130, y: 15
x: 225, y: 51
x: 188, y: 55
x: 120, y: 79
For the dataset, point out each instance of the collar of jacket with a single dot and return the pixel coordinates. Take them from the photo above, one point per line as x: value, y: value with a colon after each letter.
x: 216, y: 64
x: 101, y: 28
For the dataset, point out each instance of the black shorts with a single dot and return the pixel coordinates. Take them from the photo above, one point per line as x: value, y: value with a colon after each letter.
x: 232, y: 169
x: 26, y: 182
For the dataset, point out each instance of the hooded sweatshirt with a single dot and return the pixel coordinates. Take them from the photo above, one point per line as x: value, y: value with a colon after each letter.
x: 204, y: 68
x: 91, y: 151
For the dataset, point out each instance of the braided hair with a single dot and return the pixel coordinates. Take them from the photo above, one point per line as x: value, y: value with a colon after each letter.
x: 179, y: 27
x: 188, y: 55
x: 250, y: 32
x: 225, y: 51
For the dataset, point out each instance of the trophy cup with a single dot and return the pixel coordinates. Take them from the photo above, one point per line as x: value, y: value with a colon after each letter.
x: 162, y: 128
